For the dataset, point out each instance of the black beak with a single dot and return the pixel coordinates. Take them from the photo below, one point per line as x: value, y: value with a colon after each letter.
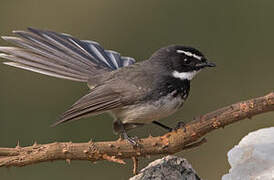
x: 205, y: 64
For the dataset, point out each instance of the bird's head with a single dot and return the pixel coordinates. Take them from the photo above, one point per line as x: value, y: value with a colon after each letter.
x: 183, y: 62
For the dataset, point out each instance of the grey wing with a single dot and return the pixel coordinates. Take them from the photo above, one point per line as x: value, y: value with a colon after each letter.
x: 103, y: 98
x: 100, y: 100
x: 60, y: 55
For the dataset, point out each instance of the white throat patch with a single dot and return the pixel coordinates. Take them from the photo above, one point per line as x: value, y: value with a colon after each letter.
x: 185, y: 75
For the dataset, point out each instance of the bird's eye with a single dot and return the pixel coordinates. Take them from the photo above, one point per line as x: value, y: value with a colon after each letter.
x: 186, y: 60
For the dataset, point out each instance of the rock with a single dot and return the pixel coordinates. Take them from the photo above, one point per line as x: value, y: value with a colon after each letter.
x: 167, y: 168
x: 253, y: 158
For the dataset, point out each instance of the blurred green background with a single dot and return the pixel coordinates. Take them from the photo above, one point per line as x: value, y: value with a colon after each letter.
x: 236, y: 35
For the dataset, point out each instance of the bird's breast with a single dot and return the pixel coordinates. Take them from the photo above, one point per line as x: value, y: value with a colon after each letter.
x: 149, y: 111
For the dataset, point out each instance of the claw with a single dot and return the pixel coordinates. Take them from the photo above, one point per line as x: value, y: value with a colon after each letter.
x: 180, y: 125
x: 132, y: 141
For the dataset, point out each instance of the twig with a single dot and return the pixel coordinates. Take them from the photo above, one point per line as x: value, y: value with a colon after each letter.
x: 135, y: 165
x: 116, y: 151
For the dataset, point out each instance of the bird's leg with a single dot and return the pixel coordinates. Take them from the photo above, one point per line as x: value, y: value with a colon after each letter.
x: 178, y: 126
x: 119, y: 127
x: 163, y: 126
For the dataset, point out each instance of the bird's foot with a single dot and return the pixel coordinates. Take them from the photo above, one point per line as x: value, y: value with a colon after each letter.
x: 131, y: 140
x: 180, y: 125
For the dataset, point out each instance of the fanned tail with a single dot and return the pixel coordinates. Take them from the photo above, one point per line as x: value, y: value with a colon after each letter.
x: 60, y: 55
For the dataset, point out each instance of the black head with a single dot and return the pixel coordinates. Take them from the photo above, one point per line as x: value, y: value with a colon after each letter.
x: 182, y: 60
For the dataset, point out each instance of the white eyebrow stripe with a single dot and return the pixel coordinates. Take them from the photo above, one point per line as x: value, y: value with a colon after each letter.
x: 189, y: 54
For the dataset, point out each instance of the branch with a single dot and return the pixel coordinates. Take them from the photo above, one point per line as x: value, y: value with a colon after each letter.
x: 118, y: 150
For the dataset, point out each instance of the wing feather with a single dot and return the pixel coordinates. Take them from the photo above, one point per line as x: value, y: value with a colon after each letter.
x: 100, y: 100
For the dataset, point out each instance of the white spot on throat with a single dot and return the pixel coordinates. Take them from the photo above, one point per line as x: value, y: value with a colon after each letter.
x: 189, y: 54
x: 185, y: 75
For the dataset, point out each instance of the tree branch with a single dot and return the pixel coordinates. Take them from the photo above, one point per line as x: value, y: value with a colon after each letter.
x: 118, y: 150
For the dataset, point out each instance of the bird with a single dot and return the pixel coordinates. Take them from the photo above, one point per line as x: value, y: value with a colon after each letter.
x: 134, y: 93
